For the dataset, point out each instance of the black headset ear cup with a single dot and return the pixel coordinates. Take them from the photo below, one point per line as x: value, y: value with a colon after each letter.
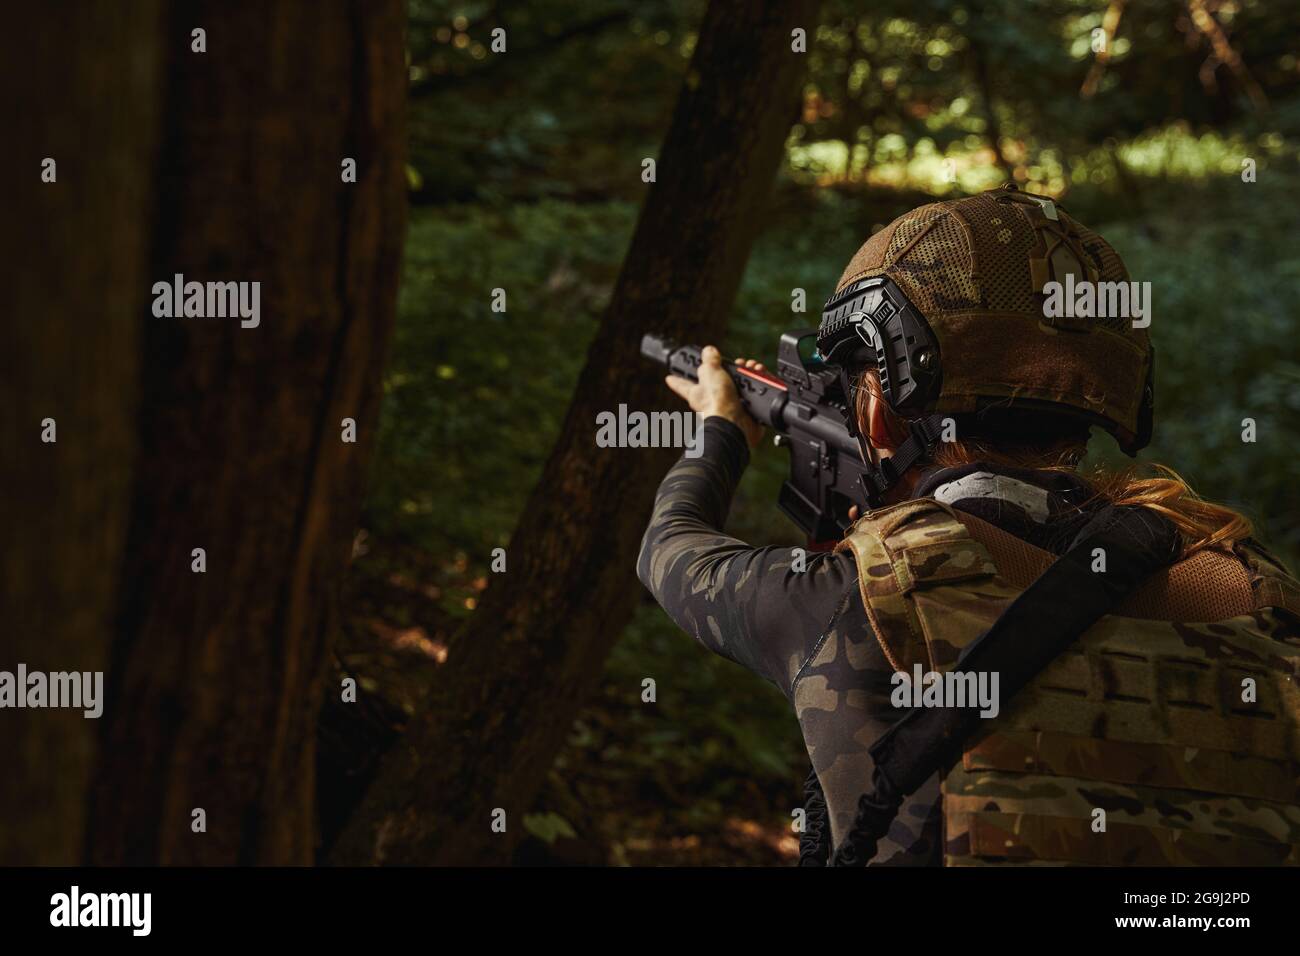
x: 1147, y: 410
x: 850, y: 400
x: 872, y: 323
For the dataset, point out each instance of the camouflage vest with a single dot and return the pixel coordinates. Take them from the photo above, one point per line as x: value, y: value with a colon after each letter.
x: 1147, y: 718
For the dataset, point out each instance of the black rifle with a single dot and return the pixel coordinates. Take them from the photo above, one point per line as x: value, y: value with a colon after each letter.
x: 805, y: 404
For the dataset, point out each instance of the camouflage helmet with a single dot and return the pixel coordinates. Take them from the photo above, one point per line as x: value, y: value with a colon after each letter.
x: 949, y: 297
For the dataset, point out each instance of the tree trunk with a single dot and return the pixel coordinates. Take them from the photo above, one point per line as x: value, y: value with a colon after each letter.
x: 79, y: 90
x: 509, y: 692
x: 984, y: 81
x: 216, y: 677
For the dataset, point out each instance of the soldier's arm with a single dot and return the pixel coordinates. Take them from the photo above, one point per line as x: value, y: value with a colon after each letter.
x: 751, y: 605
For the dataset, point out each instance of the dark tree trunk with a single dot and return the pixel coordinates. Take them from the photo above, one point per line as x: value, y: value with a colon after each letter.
x: 984, y: 81
x: 508, y: 694
x: 78, y: 89
x: 216, y: 677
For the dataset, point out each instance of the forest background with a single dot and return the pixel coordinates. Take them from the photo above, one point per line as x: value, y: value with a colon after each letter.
x: 525, y: 174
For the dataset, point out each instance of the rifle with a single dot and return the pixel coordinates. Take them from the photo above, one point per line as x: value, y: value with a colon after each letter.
x: 806, y: 406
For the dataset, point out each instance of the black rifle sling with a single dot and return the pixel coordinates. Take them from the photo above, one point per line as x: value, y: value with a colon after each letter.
x: 1043, y: 621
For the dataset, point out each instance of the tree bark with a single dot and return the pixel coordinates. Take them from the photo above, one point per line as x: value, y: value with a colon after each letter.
x: 984, y: 81
x: 76, y: 251
x: 216, y: 678
x: 509, y: 692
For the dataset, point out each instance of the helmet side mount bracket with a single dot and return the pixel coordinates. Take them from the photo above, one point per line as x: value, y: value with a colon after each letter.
x: 871, y: 322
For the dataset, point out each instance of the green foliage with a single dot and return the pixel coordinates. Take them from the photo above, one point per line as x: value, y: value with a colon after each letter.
x: 713, y: 729
x: 583, y: 92
x: 474, y: 397
x: 548, y: 827
x: 1223, y: 264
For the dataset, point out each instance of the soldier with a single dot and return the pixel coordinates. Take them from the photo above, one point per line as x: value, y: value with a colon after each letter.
x: 1168, y: 733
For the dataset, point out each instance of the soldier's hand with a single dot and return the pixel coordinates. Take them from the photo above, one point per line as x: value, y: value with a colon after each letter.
x: 715, y: 393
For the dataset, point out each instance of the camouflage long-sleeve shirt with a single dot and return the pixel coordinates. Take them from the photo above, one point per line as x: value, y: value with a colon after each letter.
x: 807, y: 630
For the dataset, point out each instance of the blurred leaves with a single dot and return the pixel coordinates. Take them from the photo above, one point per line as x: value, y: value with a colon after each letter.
x: 548, y: 827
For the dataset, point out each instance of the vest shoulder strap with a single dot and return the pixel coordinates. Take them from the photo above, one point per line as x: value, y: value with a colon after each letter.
x: 922, y: 542
x: 1212, y: 585
x: 1270, y: 582
x: 904, y: 547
